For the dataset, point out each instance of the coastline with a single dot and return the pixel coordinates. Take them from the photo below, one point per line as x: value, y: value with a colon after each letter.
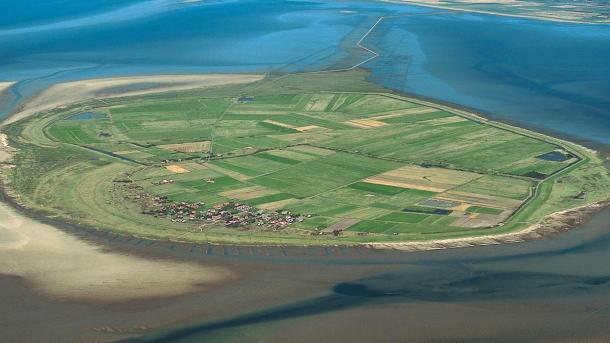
x: 552, y: 224
x: 4, y: 85
x: 61, y: 94
x: 100, y: 88
x: 466, y: 10
x: 63, y: 266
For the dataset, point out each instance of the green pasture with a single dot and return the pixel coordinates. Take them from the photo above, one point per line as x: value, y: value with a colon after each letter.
x: 294, y: 140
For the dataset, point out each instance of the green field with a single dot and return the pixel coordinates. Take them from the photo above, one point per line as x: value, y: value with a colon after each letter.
x: 345, y: 161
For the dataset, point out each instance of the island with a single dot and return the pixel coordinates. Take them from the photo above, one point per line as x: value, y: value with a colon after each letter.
x: 322, y: 158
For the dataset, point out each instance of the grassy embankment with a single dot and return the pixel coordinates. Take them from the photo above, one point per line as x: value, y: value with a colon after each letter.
x: 378, y: 166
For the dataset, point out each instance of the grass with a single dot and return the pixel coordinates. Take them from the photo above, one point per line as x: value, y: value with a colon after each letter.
x: 378, y: 189
x: 67, y: 168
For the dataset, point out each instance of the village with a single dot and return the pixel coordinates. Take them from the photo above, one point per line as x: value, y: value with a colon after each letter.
x: 230, y: 214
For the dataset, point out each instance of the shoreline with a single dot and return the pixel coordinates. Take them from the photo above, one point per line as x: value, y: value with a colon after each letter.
x: 532, y: 232
x: 4, y: 85
x: 62, y: 266
x: 100, y: 88
x: 465, y: 10
x: 552, y: 224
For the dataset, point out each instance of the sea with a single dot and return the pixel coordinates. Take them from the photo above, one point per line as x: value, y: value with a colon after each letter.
x: 549, y: 76
x: 546, y: 75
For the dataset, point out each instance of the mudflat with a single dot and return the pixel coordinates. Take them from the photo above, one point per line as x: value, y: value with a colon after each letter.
x: 62, y: 266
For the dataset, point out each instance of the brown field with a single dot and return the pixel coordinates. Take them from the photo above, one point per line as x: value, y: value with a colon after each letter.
x: 341, y: 225
x: 476, y: 220
x: 425, y: 179
x: 203, y: 146
x: 177, y: 169
x: 365, y: 123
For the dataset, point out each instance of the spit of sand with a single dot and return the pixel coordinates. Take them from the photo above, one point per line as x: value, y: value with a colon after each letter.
x: 69, y: 92
x: 4, y: 86
x: 62, y: 266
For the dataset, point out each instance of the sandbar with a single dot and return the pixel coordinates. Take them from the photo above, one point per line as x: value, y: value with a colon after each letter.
x: 4, y: 85
x: 65, y: 93
x: 62, y: 266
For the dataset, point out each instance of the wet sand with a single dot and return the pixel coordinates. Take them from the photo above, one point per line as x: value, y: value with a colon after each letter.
x: 440, y: 5
x: 61, y: 266
x: 4, y: 85
x: 539, y: 291
x: 71, y: 303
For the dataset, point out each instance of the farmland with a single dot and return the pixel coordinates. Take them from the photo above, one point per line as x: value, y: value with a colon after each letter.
x: 299, y: 159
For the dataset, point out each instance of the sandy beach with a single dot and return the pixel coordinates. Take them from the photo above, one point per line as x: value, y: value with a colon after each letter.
x: 444, y: 6
x: 59, y: 265
x: 4, y: 85
x: 69, y: 92
x: 62, y: 266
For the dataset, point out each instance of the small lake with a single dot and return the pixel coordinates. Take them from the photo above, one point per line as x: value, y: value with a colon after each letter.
x: 88, y: 116
x: 555, y: 156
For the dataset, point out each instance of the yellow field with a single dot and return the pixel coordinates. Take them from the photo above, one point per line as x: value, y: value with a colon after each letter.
x: 365, y: 123
x: 126, y: 152
x: 277, y: 123
x: 177, y: 169
x: 306, y: 128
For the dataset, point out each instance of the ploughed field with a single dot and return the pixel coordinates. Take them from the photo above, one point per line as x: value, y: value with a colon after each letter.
x: 292, y: 160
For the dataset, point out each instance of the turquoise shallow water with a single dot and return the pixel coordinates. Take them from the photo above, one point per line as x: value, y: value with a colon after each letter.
x: 553, y: 76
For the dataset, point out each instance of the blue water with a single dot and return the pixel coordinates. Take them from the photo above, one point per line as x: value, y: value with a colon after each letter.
x: 88, y: 116
x: 555, y: 156
x: 552, y: 76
